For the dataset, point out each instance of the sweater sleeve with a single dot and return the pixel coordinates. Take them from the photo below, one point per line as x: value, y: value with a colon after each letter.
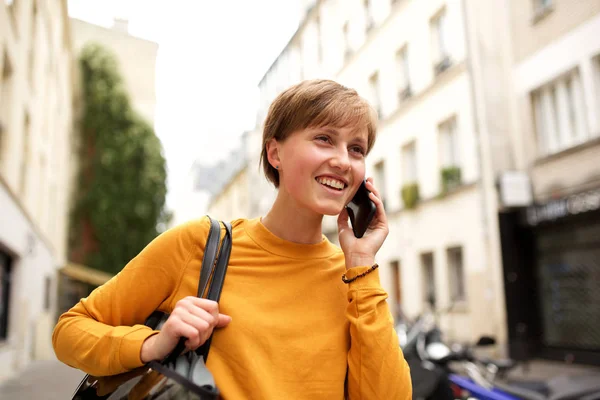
x: 376, y: 366
x: 103, y: 333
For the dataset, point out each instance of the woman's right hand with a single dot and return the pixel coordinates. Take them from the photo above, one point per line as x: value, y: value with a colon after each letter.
x: 193, y: 318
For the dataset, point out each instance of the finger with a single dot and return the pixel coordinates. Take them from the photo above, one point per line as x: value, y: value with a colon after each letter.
x: 203, y: 314
x: 379, y: 210
x: 342, y: 221
x: 200, y: 324
x: 192, y: 335
x: 195, y: 337
x: 371, y: 187
x: 208, y: 305
x: 223, y: 320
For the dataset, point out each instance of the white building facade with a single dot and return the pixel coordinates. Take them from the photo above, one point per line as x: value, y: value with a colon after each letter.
x: 136, y: 59
x: 414, y: 62
x: 36, y: 128
x: 551, y: 248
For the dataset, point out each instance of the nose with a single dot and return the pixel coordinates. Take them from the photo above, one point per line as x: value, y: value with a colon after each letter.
x: 341, y: 160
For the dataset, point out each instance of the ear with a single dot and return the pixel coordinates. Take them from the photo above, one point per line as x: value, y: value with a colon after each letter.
x: 273, y: 153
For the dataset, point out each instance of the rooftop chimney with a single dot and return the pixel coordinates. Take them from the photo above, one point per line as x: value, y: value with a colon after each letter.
x: 121, y: 25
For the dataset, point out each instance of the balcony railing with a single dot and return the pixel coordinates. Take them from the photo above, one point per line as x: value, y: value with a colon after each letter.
x: 405, y: 93
x: 442, y: 65
x: 370, y: 24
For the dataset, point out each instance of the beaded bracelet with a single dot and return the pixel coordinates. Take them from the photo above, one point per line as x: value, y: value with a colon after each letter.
x: 373, y: 268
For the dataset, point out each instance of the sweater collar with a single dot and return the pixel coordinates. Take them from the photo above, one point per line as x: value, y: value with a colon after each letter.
x: 274, y: 244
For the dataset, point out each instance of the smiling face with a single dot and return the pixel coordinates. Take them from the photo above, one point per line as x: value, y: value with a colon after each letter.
x: 318, y: 103
x: 320, y: 169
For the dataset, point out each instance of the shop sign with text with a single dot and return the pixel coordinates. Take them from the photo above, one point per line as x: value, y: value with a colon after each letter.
x: 560, y: 208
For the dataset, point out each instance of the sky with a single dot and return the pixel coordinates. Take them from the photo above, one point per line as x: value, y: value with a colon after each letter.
x: 211, y: 56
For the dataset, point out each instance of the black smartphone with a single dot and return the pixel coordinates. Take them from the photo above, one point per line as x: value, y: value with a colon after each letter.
x: 361, y: 211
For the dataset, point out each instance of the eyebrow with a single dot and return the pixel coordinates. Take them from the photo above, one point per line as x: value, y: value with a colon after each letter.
x: 354, y: 134
x: 331, y: 130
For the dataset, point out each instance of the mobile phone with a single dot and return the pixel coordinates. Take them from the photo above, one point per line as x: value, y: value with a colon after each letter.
x: 361, y: 210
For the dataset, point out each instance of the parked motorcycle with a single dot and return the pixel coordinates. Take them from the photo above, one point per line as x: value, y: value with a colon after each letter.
x: 429, y: 381
x: 470, y: 377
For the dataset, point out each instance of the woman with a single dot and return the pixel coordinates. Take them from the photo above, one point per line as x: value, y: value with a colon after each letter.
x: 287, y: 326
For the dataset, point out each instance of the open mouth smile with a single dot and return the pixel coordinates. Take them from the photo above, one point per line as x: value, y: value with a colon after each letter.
x: 332, y: 183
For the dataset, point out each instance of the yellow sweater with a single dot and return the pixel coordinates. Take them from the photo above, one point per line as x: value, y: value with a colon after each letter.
x: 296, y: 332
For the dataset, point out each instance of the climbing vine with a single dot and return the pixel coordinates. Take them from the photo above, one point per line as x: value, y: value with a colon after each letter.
x: 119, y: 198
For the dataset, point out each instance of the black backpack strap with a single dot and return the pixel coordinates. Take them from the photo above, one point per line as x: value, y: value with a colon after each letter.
x: 216, y: 285
x: 210, y: 253
x: 208, y: 262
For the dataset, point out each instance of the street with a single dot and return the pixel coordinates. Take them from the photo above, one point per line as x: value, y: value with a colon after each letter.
x: 48, y: 380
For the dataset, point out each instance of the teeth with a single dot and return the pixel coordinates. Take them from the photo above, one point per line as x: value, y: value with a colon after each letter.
x: 331, y: 182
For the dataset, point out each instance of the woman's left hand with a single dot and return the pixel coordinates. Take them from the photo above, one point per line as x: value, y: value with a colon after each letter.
x: 361, y: 252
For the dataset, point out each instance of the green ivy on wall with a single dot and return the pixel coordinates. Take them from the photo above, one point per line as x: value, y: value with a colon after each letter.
x: 120, y: 193
x: 450, y: 178
x: 410, y: 195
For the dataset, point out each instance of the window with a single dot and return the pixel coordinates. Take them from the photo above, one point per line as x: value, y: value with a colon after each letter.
x: 47, y: 293
x: 409, y: 163
x: 10, y: 6
x: 347, y: 43
x: 541, y: 3
x: 380, y: 179
x: 5, y: 284
x: 25, y: 155
x: 402, y: 71
x: 456, y: 275
x: 396, y: 285
x: 541, y: 8
x: 439, y: 43
x: 42, y: 186
x: 428, y: 276
x: 319, y: 34
x: 6, y: 86
x: 374, y: 89
x: 450, y: 172
x: 596, y: 67
x: 449, y: 156
x: 32, y: 50
x: 370, y: 21
x: 559, y: 114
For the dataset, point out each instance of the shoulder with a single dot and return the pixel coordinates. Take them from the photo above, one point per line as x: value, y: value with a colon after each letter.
x: 195, y: 232
x: 183, y: 237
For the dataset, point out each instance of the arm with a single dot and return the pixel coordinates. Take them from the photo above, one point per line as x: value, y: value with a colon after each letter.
x: 103, y: 333
x: 376, y: 365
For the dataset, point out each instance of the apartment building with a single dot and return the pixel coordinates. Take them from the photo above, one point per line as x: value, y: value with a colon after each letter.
x: 231, y: 192
x: 422, y: 66
x: 136, y: 56
x: 551, y: 247
x: 36, y: 128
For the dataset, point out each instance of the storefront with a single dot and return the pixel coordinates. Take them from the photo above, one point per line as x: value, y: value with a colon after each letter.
x: 551, y: 261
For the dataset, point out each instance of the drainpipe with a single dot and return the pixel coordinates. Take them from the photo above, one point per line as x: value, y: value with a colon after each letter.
x: 487, y: 182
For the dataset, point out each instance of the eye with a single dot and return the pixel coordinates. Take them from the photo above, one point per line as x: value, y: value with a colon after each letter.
x: 323, y: 138
x: 358, y: 150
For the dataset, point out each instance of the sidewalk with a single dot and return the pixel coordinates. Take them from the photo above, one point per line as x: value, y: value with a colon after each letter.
x: 48, y: 380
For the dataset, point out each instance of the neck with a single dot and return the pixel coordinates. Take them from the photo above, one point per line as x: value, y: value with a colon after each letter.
x: 294, y: 224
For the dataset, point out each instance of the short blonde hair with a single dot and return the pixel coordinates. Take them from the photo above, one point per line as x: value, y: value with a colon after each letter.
x: 312, y: 104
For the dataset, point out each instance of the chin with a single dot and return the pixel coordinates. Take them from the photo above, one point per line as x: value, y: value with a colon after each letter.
x: 333, y: 210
